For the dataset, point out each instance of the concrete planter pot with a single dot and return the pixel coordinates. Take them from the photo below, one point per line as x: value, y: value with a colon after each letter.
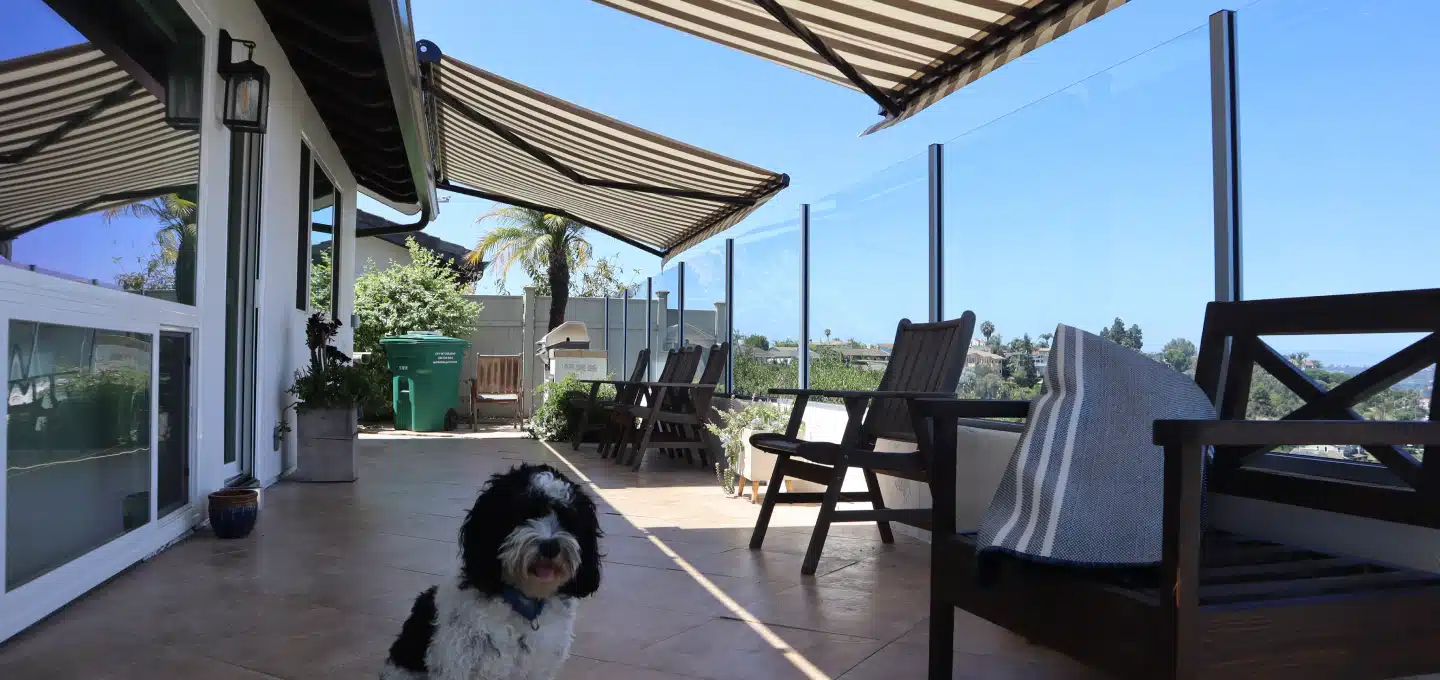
x: 326, y: 441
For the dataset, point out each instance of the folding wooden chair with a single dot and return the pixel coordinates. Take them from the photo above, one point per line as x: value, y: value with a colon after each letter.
x: 625, y: 393
x: 927, y: 361
x: 675, y: 413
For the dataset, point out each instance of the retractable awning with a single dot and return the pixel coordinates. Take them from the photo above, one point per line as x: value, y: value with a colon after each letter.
x: 904, y: 54
x: 500, y: 140
x: 79, y: 134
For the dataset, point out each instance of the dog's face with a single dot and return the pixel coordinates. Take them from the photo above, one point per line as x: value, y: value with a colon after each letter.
x: 534, y: 530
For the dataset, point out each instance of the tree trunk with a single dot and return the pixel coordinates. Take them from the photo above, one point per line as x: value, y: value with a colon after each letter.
x: 559, y: 275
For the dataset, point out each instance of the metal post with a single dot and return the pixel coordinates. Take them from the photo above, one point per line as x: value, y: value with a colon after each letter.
x: 607, y: 325
x: 680, y: 305
x: 730, y: 314
x: 937, y: 232
x: 802, y: 358
x: 649, y: 325
x: 625, y: 335
x: 1225, y: 154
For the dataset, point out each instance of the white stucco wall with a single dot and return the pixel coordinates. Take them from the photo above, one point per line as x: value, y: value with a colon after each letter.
x: 38, y: 297
x: 379, y: 251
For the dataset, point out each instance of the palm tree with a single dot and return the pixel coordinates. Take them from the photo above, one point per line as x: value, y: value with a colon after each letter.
x: 535, y: 239
x: 177, y: 235
x: 987, y: 329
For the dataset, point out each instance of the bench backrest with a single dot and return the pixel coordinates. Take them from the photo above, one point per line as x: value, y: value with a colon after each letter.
x: 499, y: 374
x: 1232, y: 345
x: 927, y: 357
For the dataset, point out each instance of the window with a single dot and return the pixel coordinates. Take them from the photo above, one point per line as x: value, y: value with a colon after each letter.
x: 78, y: 437
x: 318, y: 256
x: 96, y: 184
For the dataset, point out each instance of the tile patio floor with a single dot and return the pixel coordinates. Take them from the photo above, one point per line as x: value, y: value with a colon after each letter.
x: 319, y: 590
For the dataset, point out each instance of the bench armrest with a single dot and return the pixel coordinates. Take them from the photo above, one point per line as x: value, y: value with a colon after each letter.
x: 1294, y: 432
x: 682, y: 386
x: 969, y: 408
x: 853, y: 394
x: 602, y: 381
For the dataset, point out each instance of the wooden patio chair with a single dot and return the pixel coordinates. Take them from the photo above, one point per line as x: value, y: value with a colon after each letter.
x: 624, y: 394
x: 498, y: 377
x: 674, y: 415
x: 1224, y: 605
x: 927, y: 361
x: 619, y: 421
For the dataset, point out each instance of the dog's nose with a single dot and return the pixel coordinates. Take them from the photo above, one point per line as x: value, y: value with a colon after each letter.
x: 549, y: 549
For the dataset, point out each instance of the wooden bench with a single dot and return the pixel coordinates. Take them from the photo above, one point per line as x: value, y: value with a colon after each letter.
x: 498, y: 377
x: 1223, y: 605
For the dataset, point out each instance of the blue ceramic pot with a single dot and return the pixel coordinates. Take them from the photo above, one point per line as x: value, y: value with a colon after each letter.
x: 233, y: 512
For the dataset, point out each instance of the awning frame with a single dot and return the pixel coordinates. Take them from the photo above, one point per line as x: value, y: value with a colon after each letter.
x: 437, y: 98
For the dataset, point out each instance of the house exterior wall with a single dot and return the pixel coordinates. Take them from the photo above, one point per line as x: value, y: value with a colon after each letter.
x: 379, y: 251
x: 39, y: 297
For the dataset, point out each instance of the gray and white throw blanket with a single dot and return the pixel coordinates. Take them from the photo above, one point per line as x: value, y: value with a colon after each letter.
x: 1085, y: 485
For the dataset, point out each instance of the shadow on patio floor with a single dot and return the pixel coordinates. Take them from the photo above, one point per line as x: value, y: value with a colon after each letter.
x: 319, y: 590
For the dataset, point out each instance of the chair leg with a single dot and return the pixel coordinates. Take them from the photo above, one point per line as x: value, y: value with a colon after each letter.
x: 772, y: 494
x: 942, y: 632
x: 643, y: 445
x: 582, y: 426
x: 822, y: 522
x: 873, y: 483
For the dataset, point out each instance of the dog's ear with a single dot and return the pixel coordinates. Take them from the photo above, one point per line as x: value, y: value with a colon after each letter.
x: 586, y: 527
x: 484, y: 530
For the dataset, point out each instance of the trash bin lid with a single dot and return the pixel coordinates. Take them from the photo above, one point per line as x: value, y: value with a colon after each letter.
x: 427, y: 338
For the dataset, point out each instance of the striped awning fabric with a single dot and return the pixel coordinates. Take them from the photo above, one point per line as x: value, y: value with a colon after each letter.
x: 500, y: 140
x: 905, y: 54
x: 78, y: 134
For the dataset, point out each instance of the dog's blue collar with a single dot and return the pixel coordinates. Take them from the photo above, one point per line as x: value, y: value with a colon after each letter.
x: 527, y: 607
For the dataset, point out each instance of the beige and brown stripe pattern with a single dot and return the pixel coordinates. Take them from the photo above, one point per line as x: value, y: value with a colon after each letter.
x: 51, y: 167
x: 915, y: 51
x: 686, y: 194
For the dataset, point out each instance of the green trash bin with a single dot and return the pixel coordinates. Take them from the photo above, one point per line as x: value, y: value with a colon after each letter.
x: 426, y: 385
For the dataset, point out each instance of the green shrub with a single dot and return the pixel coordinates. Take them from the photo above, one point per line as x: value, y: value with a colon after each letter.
x: 377, y: 403
x: 554, y: 420
x: 756, y: 416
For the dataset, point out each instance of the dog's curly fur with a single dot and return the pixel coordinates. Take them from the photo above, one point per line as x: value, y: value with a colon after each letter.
x: 465, y: 629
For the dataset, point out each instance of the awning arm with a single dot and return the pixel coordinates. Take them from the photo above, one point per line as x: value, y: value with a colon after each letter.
x: 888, y: 105
x: 70, y: 124
x: 1024, y: 20
x: 541, y: 155
x: 447, y: 186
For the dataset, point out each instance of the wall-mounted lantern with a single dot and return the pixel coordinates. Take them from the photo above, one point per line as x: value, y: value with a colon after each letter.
x: 247, y: 87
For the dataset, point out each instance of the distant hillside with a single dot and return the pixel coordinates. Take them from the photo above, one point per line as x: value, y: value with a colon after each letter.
x: 1420, y: 381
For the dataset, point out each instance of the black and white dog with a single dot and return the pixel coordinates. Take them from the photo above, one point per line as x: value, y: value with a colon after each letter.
x: 528, y: 548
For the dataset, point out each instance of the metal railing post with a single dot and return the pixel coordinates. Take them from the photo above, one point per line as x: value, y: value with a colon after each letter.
x: 649, y: 325
x: 730, y: 314
x: 802, y: 357
x: 1225, y: 154
x: 680, y: 305
x: 937, y: 232
x: 625, y: 334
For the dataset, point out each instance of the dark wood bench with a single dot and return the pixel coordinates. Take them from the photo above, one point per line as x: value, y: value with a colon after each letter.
x: 1223, y: 605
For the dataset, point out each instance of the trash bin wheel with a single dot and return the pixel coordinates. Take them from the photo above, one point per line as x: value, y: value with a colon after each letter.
x: 452, y: 420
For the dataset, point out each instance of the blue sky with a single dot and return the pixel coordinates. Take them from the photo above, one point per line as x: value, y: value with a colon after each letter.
x: 1091, y: 203
x: 1078, y: 178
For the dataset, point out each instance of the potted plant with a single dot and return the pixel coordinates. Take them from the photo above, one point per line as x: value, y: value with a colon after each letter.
x: 329, y: 390
x: 233, y: 512
x: 745, y: 463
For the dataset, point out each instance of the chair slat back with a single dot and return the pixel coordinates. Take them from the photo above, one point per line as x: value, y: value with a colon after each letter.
x: 498, y: 374
x: 715, y: 364
x: 626, y: 393
x: 927, y: 357
x: 672, y: 363
x: 686, y: 364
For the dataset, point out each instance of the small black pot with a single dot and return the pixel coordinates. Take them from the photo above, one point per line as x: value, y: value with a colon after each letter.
x: 233, y: 512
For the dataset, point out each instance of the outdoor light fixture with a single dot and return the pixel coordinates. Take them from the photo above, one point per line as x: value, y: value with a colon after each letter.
x: 247, y: 87
x: 183, y: 95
